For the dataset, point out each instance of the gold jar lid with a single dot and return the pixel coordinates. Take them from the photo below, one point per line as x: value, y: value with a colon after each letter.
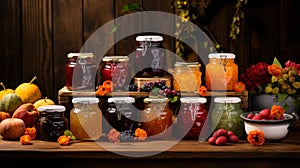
x: 80, y: 55
x: 156, y: 100
x: 115, y: 58
x: 188, y: 64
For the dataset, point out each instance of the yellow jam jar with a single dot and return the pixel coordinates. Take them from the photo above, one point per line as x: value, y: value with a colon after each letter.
x: 221, y: 72
x: 187, y: 76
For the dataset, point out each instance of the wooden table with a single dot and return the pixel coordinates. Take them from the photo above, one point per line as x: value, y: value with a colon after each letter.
x: 186, y: 153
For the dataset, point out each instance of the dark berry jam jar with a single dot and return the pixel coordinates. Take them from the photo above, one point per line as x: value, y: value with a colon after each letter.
x: 84, y: 74
x: 121, y: 114
x: 115, y: 69
x: 69, y: 68
x: 51, y: 124
x: 191, y: 117
x: 150, y: 56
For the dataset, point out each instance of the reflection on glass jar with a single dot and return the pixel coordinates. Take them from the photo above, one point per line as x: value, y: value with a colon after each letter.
x: 115, y: 69
x: 226, y: 114
x: 122, y: 114
x: 191, y: 117
x: 84, y: 74
x: 187, y: 72
x: 156, y: 118
x: 51, y: 123
x: 86, y: 118
x: 221, y: 71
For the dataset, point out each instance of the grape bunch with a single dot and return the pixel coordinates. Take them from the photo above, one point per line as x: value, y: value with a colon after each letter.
x: 132, y: 87
x: 126, y: 136
x: 147, y: 87
x: 160, y: 88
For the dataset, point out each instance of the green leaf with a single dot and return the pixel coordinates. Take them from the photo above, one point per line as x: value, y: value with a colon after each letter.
x: 285, y: 106
x: 173, y: 99
x: 282, y: 96
x: 275, y: 61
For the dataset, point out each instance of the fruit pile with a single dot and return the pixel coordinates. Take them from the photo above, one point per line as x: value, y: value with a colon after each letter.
x: 275, y: 113
x: 115, y: 136
x: 222, y: 136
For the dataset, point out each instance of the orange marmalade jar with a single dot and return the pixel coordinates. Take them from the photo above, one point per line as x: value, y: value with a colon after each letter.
x: 221, y: 72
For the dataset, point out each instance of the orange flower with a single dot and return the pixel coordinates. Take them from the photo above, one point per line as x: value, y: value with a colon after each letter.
x: 64, y: 140
x: 276, y: 112
x: 239, y: 87
x: 202, y: 91
x: 256, y: 137
x: 31, y: 132
x: 108, y: 85
x: 25, y: 139
x: 140, y: 134
x: 113, y: 136
x: 275, y: 70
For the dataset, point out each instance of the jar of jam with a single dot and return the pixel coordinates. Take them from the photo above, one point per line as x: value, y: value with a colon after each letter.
x: 156, y: 118
x: 86, y: 118
x: 115, y: 69
x: 226, y: 114
x: 150, y: 56
x: 51, y: 123
x: 84, y: 74
x: 187, y: 72
x: 122, y: 114
x: 221, y: 71
x: 69, y: 68
x: 192, y: 116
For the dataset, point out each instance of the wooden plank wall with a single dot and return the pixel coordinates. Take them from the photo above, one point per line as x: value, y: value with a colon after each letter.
x: 37, y: 35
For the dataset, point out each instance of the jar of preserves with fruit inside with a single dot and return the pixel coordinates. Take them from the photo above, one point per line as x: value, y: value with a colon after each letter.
x: 84, y: 74
x: 86, y: 118
x: 51, y: 123
x: 116, y: 70
x: 187, y: 72
x: 221, y: 71
x: 156, y: 118
x: 121, y: 114
x: 192, y: 116
x: 72, y: 57
x: 226, y: 114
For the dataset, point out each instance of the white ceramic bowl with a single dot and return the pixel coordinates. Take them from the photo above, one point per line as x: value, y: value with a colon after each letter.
x: 272, y: 129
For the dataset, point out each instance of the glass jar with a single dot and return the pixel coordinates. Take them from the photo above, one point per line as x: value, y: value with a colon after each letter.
x: 226, y: 114
x: 86, y: 118
x: 187, y: 72
x: 51, y: 123
x: 122, y: 114
x: 192, y: 116
x: 115, y: 69
x: 150, y: 56
x: 156, y: 118
x: 69, y: 68
x: 84, y: 74
x: 221, y: 71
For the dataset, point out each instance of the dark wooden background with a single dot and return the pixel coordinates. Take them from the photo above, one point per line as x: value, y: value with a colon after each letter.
x: 37, y: 35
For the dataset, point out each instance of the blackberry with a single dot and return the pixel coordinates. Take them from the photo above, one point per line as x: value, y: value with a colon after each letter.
x: 126, y: 136
x: 133, y: 87
x: 147, y: 87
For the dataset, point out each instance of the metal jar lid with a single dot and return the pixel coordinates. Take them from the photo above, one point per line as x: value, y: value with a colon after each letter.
x: 121, y: 100
x: 201, y: 100
x: 221, y: 55
x: 85, y: 100
x: 188, y: 64
x: 156, y: 100
x: 52, y: 108
x: 115, y: 58
x: 227, y: 100
x: 80, y: 55
x: 153, y: 38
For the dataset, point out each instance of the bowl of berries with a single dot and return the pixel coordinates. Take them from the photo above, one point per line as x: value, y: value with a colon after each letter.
x: 274, y: 123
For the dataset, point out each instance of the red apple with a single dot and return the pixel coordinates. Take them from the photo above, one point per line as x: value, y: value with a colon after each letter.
x: 27, y: 113
x: 257, y: 117
x: 265, y: 113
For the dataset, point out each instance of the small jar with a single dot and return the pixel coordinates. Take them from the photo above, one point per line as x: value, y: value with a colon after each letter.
x: 187, y: 72
x: 221, y: 72
x: 69, y: 68
x: 115, y: 69
x: 84, y: 74
x: 122, y: 114
x: 51, y: 123
x: 150, y: 56
x: 226, y: 114
x: 156, y: 118
x: 86, y: 118
x: 192, y: 116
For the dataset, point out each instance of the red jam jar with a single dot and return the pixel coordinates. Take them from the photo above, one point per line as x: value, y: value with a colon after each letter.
x: 115, y: 69
x: 69, y: 68
x: 191, y: 117
x: 84, y: 74
x: 156, y: 118
x: 150, y: 56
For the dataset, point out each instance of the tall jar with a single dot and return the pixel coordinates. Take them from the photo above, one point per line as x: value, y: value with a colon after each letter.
x: 192, y: 116
x: 226, y: 114
x: 221, y: 72
x: 86, y: 118
x: 84, y: 74
x: 156, y: 118
x: 150, y: 56
x: 115, y: 69
x: 187, y: 72
x: 121, y: 113
x: 51, y: 122
x: 69, y: 68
